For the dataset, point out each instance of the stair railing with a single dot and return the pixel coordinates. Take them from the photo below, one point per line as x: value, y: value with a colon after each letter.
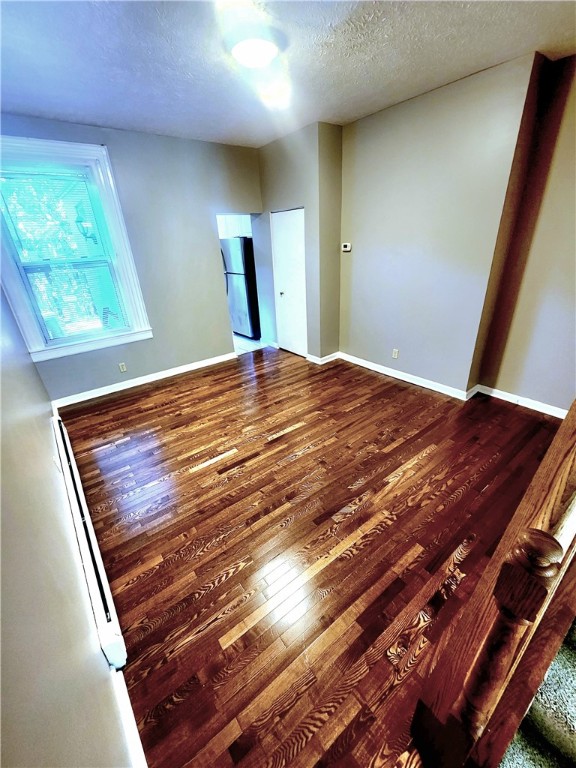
x: 473, y: 665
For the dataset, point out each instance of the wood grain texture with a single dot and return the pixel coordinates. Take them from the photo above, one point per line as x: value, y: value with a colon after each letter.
x: 287, y: 544
x: 550, y: 483
x: 528, y: 677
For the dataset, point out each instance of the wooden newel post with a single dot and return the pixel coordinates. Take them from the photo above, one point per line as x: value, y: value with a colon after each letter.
x: 521, y: 591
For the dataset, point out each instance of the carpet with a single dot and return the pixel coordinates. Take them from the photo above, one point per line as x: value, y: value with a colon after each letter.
x: 547, y: 735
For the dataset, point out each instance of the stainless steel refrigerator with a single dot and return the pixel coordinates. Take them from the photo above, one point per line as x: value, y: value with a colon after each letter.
x: 240, y: 274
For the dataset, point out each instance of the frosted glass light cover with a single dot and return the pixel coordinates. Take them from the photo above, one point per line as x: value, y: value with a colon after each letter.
x: 255, y: 53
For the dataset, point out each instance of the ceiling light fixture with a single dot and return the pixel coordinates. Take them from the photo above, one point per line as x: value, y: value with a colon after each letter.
x: 255, y: 52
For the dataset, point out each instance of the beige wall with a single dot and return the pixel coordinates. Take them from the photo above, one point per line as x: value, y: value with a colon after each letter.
x: 539, y: 358
x: 423, y: 189
x: 170, y: 191
x: 519, y: 174
x: 303, y: 170
x: 289, y: 179
x: 330, y: 206
x: 58, y: 706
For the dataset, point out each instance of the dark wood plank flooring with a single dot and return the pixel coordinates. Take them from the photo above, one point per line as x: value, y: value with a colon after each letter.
x: 285, y: 543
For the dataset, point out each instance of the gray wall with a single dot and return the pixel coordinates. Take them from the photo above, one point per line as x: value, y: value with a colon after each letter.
x: 170, y: 191
x: 289, y: 179
x: 303, y: 170
x: 424, y: 184
x: 330, y: 207
x: 513, y: 205
x: 58, y: 707
x: 539, y: 356
x: 423, y: 190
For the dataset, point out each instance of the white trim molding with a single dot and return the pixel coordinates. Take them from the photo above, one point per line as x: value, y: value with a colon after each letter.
x: 148, y: 379
x: 90, y: 165
x: 325, y: 359
x: 128, y: 720
x: 460, y: 394
x: 526, y: 402
x: 474, y: 391
x: 101, y: 600
x: 89, y: 346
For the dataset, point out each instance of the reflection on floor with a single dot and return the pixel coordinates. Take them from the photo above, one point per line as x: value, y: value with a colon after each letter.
x: 288, y: 544
x: 243, y: 345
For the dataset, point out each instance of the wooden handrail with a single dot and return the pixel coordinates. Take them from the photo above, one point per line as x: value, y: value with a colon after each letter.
x: 565, y: 530
x: 526, y: 580
x: 485, y: 648
x: 529, y: 674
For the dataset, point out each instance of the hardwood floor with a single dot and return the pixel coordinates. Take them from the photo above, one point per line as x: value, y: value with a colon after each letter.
x: 285, y: 542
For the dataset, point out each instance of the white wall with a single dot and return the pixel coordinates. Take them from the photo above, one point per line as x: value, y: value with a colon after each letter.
x: 262, y: 241
x: 58, y: 703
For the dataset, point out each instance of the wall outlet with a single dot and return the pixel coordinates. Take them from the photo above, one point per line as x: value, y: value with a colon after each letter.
x: 122, y: 367
x: 394, y: 353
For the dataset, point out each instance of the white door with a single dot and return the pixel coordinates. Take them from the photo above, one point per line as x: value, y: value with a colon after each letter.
x: 288, y: 258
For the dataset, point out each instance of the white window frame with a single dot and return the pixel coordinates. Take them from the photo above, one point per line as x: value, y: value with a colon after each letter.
x: 17, y: 151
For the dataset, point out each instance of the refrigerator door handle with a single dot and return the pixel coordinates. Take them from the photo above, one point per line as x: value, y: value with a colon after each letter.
x: 225, y: 271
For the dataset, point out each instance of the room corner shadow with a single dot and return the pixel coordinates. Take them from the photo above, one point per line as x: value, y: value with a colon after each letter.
x: 551, y: 83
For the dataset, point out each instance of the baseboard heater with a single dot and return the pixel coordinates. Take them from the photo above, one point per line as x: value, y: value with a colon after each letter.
x: 107, y: 623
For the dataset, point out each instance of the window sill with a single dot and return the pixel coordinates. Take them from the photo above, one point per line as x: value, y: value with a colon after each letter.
x: 89, y: 346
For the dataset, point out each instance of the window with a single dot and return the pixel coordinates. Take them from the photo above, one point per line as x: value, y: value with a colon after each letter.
x: 67, y: 267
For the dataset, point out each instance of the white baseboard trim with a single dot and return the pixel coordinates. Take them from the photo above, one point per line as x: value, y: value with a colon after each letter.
x: 535, y: 405
x: 474, y: 391
x: 325, y: 359
x: 122, y: 385
x: 460, y: 394
x: 128, y: 720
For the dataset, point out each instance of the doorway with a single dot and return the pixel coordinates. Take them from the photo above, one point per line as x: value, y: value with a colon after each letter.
x: 235, y: 235
x: 288, y: 258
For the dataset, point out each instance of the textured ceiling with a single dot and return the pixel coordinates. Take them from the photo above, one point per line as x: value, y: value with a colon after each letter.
x: 162, y: 67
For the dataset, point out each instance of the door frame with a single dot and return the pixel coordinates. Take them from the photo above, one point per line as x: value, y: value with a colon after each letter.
x: 301, y: 345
